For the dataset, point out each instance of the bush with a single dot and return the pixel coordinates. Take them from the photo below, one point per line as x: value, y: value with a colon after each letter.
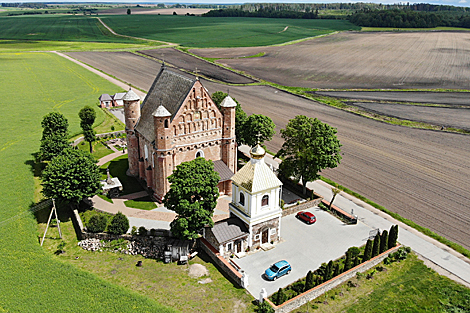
x: 97, y: 223
x: 153, y: 232
x: 143, y: 231
x: 134, y: 231
x: 264, y: 308
x: 119, y: 224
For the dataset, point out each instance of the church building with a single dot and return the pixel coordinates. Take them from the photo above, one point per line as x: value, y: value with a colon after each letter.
x: 178, y: 122
x: 255, y: 211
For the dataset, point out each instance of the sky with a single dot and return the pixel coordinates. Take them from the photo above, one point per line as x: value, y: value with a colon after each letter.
x: 462, y: 3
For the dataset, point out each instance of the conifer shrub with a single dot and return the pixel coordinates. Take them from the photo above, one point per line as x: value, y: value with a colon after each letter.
x: 119, y: 224
x: 97, y: 223
x: 280, y: 297
x: 384, y: 241
x: 309, y: 281
x: 368, y: 251
x: 376, y: 246
x: 393, y: 236
x: 143, y: 231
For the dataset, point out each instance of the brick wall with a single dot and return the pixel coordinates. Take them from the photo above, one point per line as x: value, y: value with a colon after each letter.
x: 307, y: 296
x: 222, y: 263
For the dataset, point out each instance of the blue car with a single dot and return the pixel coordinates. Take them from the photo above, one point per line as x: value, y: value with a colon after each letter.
x: 277, y: 270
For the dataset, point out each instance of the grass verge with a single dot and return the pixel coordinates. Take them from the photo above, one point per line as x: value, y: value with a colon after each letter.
x: 168, y: 284
x: 408, y: 222
x: 144, y: 203
x: 406, y: 286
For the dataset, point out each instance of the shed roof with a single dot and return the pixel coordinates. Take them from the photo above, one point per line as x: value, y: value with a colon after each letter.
x: 224, y: 171
x: 119, y: 95
x: 105, y: 97
x: 229, y: 229
x: 169, y: 89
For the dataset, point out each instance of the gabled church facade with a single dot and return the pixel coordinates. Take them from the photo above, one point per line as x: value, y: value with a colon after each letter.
x: 177, y: 122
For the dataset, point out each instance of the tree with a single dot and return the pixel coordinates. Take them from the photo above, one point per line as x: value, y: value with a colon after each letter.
x: 119, y: 224
x: 71, y: 176
x: 257, y: 127
x: 348, y: 261
x: 367, y: 251
x: 309, y: 147
x: 54, y: 135
x: 337, y: 270
x: 87, y: 118
x: 54, y: 123
x: 128, y: 11
x: 280, y: 297
x: 97, y: 223
x: 193, y: 196
x: 240, y: 115
x: 328, y: 271
x: 376, y: 246
x: 309, y: 281
x: 392, y: 238
x: 52, y: 146
x: 384, y: 241
x: 335, y: 192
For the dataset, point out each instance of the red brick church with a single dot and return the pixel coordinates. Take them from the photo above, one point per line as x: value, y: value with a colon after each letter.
x: 178, y: 122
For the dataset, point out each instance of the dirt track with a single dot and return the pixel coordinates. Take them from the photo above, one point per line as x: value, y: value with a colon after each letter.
x: 190, y: 63
x: 421, y: 175
x: 447, y: 117
x: 361, y: 60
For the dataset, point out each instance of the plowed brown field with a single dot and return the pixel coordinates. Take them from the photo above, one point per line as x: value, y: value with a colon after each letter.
x: 421, y: 175
x: 361, y: 60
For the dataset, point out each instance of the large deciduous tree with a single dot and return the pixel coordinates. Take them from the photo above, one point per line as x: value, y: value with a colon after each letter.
x: 257, y: 127
x: 54, y: 135
x: 71, y: 176
x: 309, y: 147
x: 193, y: 196
x: 87, y: 118
x: 240, y: 115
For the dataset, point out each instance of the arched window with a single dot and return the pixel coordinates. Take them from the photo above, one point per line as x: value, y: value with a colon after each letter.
x: 146, y: 151
x: 166, y: 123
x: 265, y: 200
x: 242, y: 198
x: 199, y: 154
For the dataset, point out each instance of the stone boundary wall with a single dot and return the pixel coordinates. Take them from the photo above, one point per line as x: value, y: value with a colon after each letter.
x: 302, y: 206
x: 221, y: 262
x: 313, y: 293
x: 80, y: 139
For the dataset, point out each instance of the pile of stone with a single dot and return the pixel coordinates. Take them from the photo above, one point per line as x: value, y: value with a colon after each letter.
x: 91, y: 244
x: 151, y: 248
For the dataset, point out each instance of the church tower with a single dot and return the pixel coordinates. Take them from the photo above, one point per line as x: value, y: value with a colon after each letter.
x: 229, y: 145
x: 256, y: 193
x: 131, y: 115
x: 163, y: 146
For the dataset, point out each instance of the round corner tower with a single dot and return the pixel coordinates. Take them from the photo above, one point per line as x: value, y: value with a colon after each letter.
x: 131, y: 116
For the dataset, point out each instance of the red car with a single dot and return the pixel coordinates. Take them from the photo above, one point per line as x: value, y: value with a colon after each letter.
x: 307, y: 217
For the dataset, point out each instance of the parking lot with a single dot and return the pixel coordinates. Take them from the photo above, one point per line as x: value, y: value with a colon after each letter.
x: 305, y: 247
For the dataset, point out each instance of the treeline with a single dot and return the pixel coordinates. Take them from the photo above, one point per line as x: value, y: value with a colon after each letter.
x: 267, y: 13
x: 25, y: 5
x: 409, y: 18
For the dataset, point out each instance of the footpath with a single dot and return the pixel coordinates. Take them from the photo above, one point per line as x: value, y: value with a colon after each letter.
x: 434, y: 254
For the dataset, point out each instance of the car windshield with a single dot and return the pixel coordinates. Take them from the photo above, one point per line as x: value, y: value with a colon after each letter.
x: 274, y: 268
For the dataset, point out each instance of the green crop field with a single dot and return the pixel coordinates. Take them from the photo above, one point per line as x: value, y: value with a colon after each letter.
x: 196, y: 31
x: 62, y: 27
x: 32, y: 280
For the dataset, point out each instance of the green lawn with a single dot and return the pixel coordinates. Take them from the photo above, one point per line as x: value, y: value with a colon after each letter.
x: 168, y: 284
x: 118, y: 168
x: 196, y: 31
x: 58, y: 27
x: 33, y: 85
x: 408, y: 286
x: 144, y: 203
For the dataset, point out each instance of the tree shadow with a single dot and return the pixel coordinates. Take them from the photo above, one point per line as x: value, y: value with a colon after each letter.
x: 35, y: 164
x: 203, y: 256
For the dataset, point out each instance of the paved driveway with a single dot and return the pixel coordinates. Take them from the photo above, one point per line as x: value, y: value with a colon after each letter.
x: 305, y: 247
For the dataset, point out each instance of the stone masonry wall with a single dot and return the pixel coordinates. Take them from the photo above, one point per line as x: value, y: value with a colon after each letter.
x: 307, y: 296
x: 303, y: 206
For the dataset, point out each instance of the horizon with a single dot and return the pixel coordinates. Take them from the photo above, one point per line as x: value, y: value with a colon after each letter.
x: 457, y: 3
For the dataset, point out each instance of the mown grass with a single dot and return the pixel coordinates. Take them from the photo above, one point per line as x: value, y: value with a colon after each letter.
x: 99, y: 150
x: 407, y: 286
x: 32, y: 280
x: 54, y: 45
x: 396, y: 216
x: 221, y: 32
x: 144, y: 203
x: 118, y: 168
x: 168, y: 284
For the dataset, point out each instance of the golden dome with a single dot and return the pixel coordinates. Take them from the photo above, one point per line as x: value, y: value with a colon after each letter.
x: 257, y: 152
